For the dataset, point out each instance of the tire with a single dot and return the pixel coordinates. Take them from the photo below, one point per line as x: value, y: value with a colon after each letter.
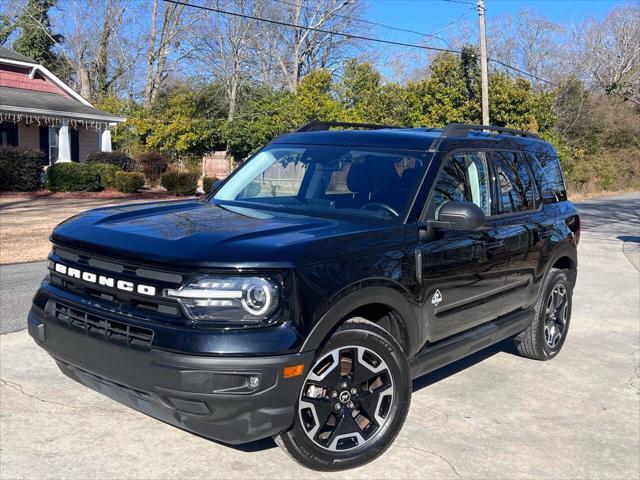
x: 540, y: 341
x: 374, y: 408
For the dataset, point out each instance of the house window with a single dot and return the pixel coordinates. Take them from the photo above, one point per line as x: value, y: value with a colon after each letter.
x: 8, y: 134
x: 53, y: 144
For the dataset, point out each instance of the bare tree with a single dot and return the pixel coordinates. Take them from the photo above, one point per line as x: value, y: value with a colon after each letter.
x: 168, y: 25
x: 298, y: 51
x: 223, y: 47
x: 8, y: 15
x: 608, y: 53
x: 96, y: 45
x: 527, y: 41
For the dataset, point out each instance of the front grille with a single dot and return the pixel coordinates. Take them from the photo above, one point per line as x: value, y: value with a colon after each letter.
x: 109, y: 330
x: 150, y: 308
x: 116, y: 266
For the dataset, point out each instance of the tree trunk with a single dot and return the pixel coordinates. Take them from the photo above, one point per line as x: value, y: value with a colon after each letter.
x: 151, y: 58
x: 85, y: 82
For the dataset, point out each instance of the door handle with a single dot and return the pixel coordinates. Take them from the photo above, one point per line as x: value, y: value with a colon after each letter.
x: 495, y: 244
x: 545, y: 231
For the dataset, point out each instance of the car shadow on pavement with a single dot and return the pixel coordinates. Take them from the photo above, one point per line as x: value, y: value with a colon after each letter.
x: 256, y: 446
x: 629, y: 238
x: 506, y: 346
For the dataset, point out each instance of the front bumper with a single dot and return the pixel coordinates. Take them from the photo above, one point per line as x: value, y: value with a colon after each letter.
x: 208, y: 395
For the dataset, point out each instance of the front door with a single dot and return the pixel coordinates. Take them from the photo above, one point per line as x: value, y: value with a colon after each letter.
x: 463, y: 273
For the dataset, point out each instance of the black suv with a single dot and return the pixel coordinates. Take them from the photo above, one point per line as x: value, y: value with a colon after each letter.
x: 303, y: 295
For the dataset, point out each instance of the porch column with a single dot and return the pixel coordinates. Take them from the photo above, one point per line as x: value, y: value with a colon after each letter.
x: 64, y: 143
x: 105, y: 140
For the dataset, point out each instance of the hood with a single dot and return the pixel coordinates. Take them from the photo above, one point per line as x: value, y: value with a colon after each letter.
x: 203, y: 234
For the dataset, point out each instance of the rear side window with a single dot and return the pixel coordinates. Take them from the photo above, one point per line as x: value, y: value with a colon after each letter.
x: 546, y: 167
x: 516, y: 191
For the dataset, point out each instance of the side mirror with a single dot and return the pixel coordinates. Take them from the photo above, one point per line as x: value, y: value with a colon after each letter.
x: 466, y: 216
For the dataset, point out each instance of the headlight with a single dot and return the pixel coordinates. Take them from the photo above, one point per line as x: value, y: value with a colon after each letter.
x: 228, y: 299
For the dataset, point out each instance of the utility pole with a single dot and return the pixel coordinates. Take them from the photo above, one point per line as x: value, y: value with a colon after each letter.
x: 483, y: 65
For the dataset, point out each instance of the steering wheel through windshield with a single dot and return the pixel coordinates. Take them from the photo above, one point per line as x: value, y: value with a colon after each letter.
x: 381, y: 207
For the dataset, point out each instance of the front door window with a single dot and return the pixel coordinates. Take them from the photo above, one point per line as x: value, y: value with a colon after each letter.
x: 463, y: 178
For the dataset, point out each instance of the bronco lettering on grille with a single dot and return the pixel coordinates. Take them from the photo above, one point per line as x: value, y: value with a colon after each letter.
x: 104, y: 281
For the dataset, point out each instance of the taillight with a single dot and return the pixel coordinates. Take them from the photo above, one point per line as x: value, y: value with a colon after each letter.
x: 579, y: 231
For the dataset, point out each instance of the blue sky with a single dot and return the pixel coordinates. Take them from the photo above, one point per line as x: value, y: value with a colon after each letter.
x: 432, y: 15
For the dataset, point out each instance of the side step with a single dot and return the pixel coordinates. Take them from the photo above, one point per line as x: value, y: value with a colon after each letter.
x: 452, y: 349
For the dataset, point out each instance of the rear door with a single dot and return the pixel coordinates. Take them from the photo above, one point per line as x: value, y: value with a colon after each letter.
x: 517, y: 207
x: 463, y: 273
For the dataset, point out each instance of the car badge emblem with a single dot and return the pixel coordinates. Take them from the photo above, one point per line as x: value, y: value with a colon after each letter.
x: 437, y: 298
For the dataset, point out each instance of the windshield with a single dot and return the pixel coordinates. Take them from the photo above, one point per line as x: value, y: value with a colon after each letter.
x: 327, y: 180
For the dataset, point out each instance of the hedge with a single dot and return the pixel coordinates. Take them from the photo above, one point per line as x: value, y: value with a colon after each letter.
x: 153, y: 165
x: 129, y: 182
x: 113, y: 158
x: 107, y: 173
x: 207, y: 184
x: 73, y: 177
x: 20, y: 169
x: 180, y: 183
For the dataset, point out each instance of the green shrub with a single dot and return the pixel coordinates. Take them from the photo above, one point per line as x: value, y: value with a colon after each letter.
x: 129, y: 182
x: 107, y: 173
x: 20, y: 169
x: 73, y: 177
x: 153, y: 166
x: 112, y: 158
x: 180, y: 183
x: 207, y: 184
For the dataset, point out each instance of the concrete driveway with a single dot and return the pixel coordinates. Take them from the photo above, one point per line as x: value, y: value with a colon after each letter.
x: 494, y: 415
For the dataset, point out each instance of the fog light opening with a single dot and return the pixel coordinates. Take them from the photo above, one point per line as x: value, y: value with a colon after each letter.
x: 254, y: 382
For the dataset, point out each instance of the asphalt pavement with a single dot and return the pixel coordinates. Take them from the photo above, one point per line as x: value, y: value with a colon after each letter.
x: 18, y: 283
x: 493, y: 415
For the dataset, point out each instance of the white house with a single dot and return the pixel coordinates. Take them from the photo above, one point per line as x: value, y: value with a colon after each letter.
x: 39, y: 111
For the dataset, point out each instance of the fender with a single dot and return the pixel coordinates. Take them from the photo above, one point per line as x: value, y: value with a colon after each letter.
x: 564, y: 249
x: 375, y: 294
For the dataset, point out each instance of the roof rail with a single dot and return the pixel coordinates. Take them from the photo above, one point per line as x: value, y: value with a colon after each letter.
x: 317, y: 126
x: 461, y: 130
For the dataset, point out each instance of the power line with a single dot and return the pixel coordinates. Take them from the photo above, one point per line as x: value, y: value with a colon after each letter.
x: 362, y: 20
x: 347, y: 35
x: 462, y: 2
x: 313, y: 29
x: 455, y: 20
x: 540, y: 79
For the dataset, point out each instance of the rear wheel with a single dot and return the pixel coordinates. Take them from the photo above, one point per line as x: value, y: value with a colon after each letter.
x: 548, y: 330
x: 353, y: 401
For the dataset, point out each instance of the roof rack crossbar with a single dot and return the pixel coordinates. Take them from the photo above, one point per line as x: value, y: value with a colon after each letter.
x: 317, y: 126
x: 461, y: 130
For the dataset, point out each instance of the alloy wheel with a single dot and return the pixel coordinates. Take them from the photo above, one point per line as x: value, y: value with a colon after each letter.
x: 555, y: 320
x: 346, y: 398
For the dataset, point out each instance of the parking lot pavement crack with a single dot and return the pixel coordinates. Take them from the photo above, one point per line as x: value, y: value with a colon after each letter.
x: 436, y: 454
x: 634, y: 379
x: 18, y: 388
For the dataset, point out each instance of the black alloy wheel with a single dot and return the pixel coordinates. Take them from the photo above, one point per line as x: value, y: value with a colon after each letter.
x: 353, y: 401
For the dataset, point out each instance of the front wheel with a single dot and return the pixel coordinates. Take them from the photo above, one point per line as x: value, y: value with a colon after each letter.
x: 353, y: 401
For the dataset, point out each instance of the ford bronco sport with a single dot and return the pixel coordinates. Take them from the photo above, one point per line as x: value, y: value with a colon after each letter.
x: 302, y: 296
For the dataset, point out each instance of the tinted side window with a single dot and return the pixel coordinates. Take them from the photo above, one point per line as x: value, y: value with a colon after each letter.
x: 515, y: 185
x: 548, y: 172
x: 463, y: 178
